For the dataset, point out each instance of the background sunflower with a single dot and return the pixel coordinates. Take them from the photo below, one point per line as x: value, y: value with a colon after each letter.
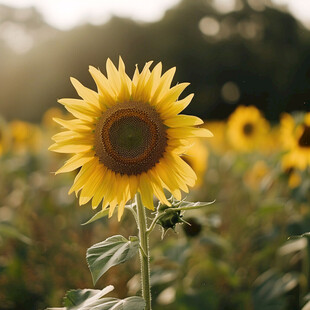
x: 247, y: 128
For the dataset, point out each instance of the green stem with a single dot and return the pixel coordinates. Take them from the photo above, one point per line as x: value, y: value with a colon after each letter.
x: 144, y: 253
x: 158, y: 216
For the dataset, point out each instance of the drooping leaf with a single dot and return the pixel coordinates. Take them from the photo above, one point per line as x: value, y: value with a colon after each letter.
x: 188, y: 205
x: 92, y: 299
x: 9, y: 231
x: 97, y: 216
x: 306, y: 306
x: 106, y: 254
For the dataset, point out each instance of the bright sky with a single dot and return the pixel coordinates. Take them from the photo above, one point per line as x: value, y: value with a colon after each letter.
x: 65, y: 14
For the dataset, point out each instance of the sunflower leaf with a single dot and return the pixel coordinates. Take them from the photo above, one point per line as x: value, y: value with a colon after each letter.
x: 106, y: 254
x: 92, y: 299
x: 187, y: 205
x: 97, y: 216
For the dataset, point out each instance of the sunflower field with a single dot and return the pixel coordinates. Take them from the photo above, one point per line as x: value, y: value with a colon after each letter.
x: 248, y: 250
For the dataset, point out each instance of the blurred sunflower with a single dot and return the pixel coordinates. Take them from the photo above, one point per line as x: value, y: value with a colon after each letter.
x: 26, y: 137
x: 247, y: 129
x: 296, y: 140
x: 128, y: 137
x: 256, y: 175
x: 289, y: 168
x: 218, y: 143
x: 197, y: 157
x: 47, y: 119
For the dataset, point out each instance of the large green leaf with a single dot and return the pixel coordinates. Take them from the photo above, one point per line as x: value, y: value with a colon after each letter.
x: 92, y: 299
x: 106, y: 254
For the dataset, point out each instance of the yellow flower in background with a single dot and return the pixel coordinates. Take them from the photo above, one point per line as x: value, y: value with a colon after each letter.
x: 197, y: 157
x: 26, y: 137
x: 47, y: 119
x: 287, y: 127
x: 289, y: 168
x: 128, y: 137
x: 256, y: 175
x: 296, y: 140
x: 218, y: 143
x: 247, y: 129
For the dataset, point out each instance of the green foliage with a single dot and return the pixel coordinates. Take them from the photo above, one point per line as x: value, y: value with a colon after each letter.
x: 97, y: 216
x: 92, y: 299
x: 106, y: 254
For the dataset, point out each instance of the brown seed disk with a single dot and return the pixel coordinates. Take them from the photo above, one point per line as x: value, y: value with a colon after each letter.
x: 248, y: 129
x: 304, y: 140
x: 130, y: 138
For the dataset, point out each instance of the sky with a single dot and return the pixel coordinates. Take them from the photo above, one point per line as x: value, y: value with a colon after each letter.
x: 65, y: 14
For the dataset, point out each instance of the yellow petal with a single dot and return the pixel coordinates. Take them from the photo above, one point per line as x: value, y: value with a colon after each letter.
x: 113, y: 205
x: 133, y: 185
x: 163, y: 172
x: 75, y: 162
x: 189, y: 132
x: 113, y: 76
x: 107, y: 95
x: 171, y: 96
x: 70, y: 148
x: 84, y: 175
x: 80, y: 105
x: 163, y: 86
x: 158, y: 189
x: 120, y: 211
x: 183, y: 121
x: 156, y: 77
x: 138, y: 91
x: 135, y: 77
x: 124, y: 94
x: 87, y: 94
x: 146, y: 191
x: 82, y: 113
x: 92, y: 184
x: 177, y: 107
x: 103, y: 188
x: 74, y: 124
x: 69, y: 135
x: 186, y: 173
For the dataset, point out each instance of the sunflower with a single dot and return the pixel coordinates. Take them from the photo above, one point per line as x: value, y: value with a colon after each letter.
x: 247, y: 128
x: 296, y: 140
x: 256, y: 177
x: 26, y: 137
x: 128, y: 137
x: 218, y: 144
x: 288, y: 164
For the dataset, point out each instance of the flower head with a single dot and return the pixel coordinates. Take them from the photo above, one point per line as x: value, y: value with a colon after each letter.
x: 296, y: 140
x: 128, y: 137
x: 247, y: 128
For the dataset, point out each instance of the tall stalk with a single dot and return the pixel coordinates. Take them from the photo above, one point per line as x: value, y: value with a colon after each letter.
x: 144, y: 253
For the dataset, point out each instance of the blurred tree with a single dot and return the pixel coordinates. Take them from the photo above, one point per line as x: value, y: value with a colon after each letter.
x: 247, y: 56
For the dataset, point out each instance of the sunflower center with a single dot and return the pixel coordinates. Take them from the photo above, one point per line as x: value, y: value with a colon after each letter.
x: 248, y: 129
x: 130, y: 138
x: 304, y: 140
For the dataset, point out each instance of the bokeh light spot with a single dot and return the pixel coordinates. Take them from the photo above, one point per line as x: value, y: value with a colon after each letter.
x: 209, y: 26
x: 230, y: 92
